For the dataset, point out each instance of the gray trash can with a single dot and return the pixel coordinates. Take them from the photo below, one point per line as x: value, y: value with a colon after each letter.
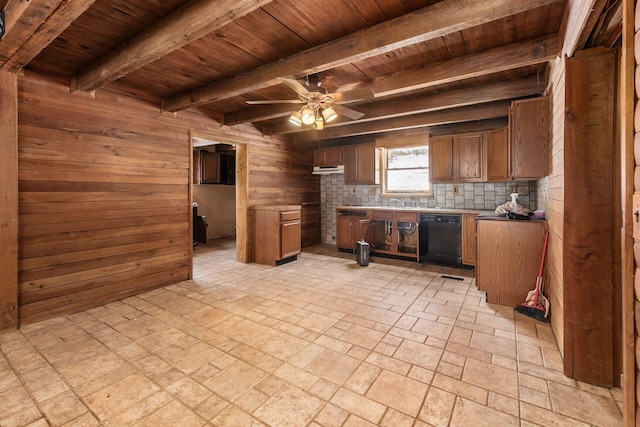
x: 362, y: 253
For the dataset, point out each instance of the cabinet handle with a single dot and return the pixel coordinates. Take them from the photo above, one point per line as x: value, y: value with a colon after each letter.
x: 637, y: 214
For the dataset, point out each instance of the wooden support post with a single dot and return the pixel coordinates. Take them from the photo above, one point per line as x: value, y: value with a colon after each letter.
x: 8, y: 201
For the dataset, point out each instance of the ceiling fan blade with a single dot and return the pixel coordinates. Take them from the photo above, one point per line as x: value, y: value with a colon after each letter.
x: 354, y: 95
x: 277, y: 101
x: 347, y: 112
x: 295, y: 85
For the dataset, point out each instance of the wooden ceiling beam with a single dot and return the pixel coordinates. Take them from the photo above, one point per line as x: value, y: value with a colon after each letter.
x: 58, y: 21
x: 22, y: 19
x: 441, y: 101
x: 190, y: 22
x: 492, y: 110
x: 509, y: 57
x: 425, y: 24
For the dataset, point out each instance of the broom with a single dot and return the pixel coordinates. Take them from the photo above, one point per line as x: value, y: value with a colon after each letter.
x: 535, y: 304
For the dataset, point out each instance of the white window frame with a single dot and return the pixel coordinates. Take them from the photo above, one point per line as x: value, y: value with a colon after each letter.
x: 407, y: 142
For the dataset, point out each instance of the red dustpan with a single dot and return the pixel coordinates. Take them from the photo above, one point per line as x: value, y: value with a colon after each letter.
x: 535, y: 304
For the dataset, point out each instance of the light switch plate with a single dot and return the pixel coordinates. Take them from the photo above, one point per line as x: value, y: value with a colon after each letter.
x: 513, y: 188
x: 635, y: 212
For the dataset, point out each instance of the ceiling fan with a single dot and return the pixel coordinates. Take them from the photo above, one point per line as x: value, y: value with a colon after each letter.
x: 320, y: 106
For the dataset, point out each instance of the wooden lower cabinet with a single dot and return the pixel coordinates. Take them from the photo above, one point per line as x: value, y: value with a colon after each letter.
x: 396, y: 233
x: 353, y: 226
x: 276, y: 234
x: 469, y: 249
x: 508, y: 259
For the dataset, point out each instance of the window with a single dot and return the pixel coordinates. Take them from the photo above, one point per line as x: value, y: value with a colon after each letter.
x: 406, y: 170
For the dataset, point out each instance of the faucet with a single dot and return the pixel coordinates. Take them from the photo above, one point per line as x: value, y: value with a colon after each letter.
x: 399, y: 200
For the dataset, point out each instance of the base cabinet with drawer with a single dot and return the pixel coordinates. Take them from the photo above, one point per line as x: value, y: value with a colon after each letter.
x: 276, y: 234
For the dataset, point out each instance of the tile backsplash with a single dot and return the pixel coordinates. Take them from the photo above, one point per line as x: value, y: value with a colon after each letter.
x: 479, y: 196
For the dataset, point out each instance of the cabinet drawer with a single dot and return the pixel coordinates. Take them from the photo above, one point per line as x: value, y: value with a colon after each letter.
x: 382, y: 215
x: 407, y: 216
x: 289, y: 215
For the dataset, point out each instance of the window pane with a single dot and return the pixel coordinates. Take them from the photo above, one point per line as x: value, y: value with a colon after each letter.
x: 408, y: 180
x: 412, y: 157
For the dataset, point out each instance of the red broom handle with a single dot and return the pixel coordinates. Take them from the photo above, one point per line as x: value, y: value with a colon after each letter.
x: 544, y: 252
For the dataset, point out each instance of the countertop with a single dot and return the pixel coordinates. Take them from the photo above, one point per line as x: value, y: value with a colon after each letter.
x: 418, y: 209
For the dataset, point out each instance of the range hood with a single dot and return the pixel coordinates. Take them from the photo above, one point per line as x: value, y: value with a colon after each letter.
x: 325, y: 170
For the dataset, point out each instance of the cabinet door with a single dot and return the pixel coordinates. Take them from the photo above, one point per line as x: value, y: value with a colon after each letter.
x: 529, y: 126
x: 210, y: 167
x: 290, y: 238
x: 329, y: 156
x: 498, y: 155
x: 468, y: 157
x: 360, y: 164
x: 351, y: 165
x: 441, y: 159
x: 366, y: 164
x: 469, y: 250
x: 343, y: 232
x: 362, y: 229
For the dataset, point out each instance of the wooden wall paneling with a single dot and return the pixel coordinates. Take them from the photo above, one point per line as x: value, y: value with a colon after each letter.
x: 9, y: 201
x: 588, y: 257
x: 104, y: 194
x: 554, y: 283
x: 243, y: 247
x: 630, y: 26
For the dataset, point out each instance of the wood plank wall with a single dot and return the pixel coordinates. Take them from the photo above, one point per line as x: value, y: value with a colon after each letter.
x: 555, y: 211
x: 103, y: 198
x: 103, y: 193
x: 280, y: 173
x: 588, y: 236
x: 9, y: 201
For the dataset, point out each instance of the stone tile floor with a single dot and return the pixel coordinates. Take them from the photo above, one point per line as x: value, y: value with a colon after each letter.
x: 317, y: 342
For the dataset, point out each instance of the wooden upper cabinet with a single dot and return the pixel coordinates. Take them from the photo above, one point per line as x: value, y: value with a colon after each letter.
x: 330, y: 156
x: 468, y: 157
x: 498, y: 155
x: 360, y: 164
x: 441, y: 158
x: 529, y: 127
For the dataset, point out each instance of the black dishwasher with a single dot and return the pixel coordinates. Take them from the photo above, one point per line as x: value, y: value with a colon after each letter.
x: 441, y: 238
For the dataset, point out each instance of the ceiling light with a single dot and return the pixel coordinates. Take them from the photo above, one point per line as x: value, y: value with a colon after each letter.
x: 296, y: 118
x: 319, y: 123
x: 329, y: 114
x: 308, y: 115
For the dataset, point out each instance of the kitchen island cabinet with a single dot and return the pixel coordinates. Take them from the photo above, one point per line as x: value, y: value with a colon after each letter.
x: 276, y: 234
x: 508, y: 258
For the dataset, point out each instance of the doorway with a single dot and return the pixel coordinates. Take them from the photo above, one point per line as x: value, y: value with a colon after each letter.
x: 218, y: 189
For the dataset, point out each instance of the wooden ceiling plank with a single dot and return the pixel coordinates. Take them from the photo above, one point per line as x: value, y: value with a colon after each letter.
x: 196, y: 19
x: 22, y: 19
x: 503, y: 58
x: 424, y: 24
x: 55, y: 24
x: 455, y: 115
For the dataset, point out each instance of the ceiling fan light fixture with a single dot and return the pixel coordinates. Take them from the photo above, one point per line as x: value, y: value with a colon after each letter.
x: 319, y: 123
x: 308, y: 115
x: 329, y: 114
x: 296, y: 118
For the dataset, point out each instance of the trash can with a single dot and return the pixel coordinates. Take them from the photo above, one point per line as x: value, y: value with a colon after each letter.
x: 362, y: 252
